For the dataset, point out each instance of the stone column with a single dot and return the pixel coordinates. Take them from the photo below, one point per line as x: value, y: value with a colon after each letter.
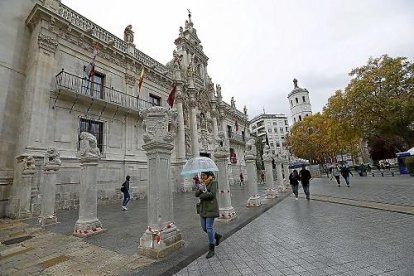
x: 194, y: 130
x: 226, y: 211
x: 88, y: 223
x: 19, y: 202
x: 279, y: 175
x: 162, y: 235
x: 267, y: 160
x: 285, y: 163
x: 250, y: 157
x: 230, y: 172
x: 48, y: 187
x: 181, y: 127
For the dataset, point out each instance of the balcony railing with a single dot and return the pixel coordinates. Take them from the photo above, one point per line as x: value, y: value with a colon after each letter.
x: 236, y: 137
x: 95, y: 90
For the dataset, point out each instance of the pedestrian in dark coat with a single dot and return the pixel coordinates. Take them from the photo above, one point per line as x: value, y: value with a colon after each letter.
x: 125, y: 191
x: 305, y: 178
x: 208, y: 209
x: 346, y: 172
x: 294, y: 182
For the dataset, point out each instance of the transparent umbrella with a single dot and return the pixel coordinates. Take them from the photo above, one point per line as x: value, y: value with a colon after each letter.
x: 298, y: 163
x: 197, y: 165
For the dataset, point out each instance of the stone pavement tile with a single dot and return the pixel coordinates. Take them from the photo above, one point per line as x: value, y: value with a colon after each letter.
x: 298, y: 269
x: 287, y: 271
x: 234, y: 273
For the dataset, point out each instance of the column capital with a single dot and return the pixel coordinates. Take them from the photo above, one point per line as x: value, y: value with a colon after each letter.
x: 52, y: 160
x: 160, y: 125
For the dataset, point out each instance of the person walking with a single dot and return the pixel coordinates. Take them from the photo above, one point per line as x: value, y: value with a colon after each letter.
x: 294, y: 182
x: 262, y: 177
x: 241, y: 179
x: 208, y: 209
x: 125, y: 191
x: 305, y: 177
x: 336, y: 174
x: 346, y: 172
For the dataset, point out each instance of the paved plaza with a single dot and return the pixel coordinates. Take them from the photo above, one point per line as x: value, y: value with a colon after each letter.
x: 363, y: 230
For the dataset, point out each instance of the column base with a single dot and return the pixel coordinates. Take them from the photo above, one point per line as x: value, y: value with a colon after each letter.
x: 254, y: 201
x: 226, y: 215
x: 13, y: 208
x: 47, y: 220
x: 159, y: 244
x: 88, y: 228
x: 271, y: 193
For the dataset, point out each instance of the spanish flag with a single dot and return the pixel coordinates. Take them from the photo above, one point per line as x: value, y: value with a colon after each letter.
x: 141, y: 79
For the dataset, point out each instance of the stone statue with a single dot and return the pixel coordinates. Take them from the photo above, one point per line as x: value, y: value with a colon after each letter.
x: 180, y: 30
x: 52, y: 157
x: 251, y: 147
x: 295, y: 83
x: 220, y: 142
x: 267, y: 153
x: 88, y: 146
x: 218, y: 90
x: 29, y: 163
x: 233, y: 102
x: 129, y: 34
x: 245, y: 110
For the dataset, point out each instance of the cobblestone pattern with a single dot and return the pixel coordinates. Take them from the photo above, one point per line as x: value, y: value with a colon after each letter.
x: 397, y: 190
x: 315, y: 238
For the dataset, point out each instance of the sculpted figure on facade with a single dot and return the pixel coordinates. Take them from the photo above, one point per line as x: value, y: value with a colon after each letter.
x: 129, y: 34
x: 188, y: 142
x: 29, y: 163
x: 245, y: 110
x: 218, y: 90
x: 88, y: 146
x: 233, y: 102
x: 180, y: 32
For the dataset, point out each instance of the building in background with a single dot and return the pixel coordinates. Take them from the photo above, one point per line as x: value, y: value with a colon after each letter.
x: 275, y: 126
x: 299, y: 103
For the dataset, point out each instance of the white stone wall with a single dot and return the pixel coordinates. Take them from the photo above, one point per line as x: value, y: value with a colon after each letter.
x: 13, y: 52
x: 302, y: 108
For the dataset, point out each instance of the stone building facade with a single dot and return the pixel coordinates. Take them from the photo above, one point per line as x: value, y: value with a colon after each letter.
x: 49, y: 97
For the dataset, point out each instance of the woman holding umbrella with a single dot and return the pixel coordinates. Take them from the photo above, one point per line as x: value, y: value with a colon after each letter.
x: 208, y: 209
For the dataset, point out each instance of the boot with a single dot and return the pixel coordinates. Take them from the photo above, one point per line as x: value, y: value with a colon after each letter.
x: 218, y: 238
x: 210, y: 251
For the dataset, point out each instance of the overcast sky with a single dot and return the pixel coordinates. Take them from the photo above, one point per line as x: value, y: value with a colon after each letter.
x: 256, y: 48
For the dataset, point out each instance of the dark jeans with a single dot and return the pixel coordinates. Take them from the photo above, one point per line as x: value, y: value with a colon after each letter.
x: 295, y: 189
x: 337, y: 179
x: 207, y: 225
x: 126, y: 199
x: 306, y: 189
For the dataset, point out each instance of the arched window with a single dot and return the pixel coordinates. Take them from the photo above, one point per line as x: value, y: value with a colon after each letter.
x: 303, y: 99
x: 294, y: 119
x: 291, y: 103
x: 297, y: 101
x: 300, y: 118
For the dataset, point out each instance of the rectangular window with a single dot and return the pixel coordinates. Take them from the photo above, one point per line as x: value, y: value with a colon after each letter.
x: 93, y: 86
x: 277, y: 145
x: 270, y: 130
x: 271, y: 145
x: 229, y: 131
x: 286, y: 122
x: 93, y: 127
x: 275, y: 130
x: 155, y: 100
x: 303, y: 99
x: 281, y: 130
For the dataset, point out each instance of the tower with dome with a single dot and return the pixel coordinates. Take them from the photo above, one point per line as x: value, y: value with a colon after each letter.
x: 299, y: 102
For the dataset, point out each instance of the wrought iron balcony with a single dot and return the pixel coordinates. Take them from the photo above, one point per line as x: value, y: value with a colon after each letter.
x: 237, y: 138
x: 79, y: 86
